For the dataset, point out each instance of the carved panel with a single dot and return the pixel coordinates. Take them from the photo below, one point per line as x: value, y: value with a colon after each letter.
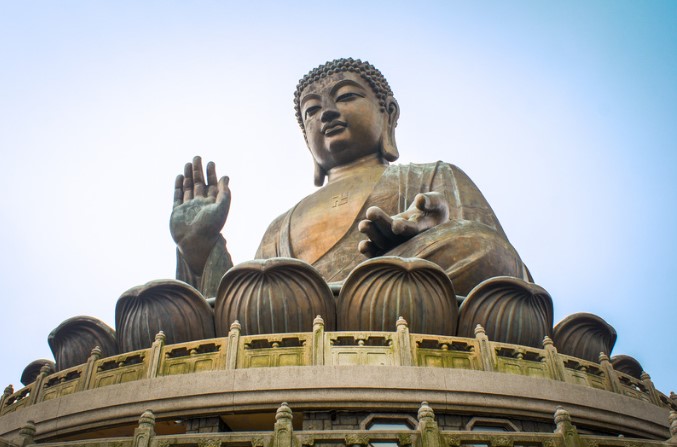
x: 173, y: 307
x: 584, y: 336
x: 73, y: 340
x: 277, y: 295
x: 380, y: 290
x: 510, y: 310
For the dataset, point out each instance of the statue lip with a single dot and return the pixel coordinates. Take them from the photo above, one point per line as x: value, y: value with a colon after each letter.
x: 333, y: 127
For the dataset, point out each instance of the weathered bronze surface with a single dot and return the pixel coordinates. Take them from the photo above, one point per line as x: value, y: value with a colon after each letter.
x: 510, y: 310
x: 31, y: 371
x: 275, y: 295
x: 73, y: 340
x: 585, y: 336
x: 380, y: 290
x: 368, y: 207
x: 172, y: 307
x: 628, y: 365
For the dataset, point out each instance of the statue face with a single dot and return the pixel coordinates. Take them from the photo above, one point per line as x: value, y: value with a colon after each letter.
x: 342, y: 118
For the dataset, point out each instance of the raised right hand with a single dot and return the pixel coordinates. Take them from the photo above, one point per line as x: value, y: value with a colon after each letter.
x: 200, y: 211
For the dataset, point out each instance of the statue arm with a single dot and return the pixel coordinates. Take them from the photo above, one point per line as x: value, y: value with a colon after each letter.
x: 200, y: 211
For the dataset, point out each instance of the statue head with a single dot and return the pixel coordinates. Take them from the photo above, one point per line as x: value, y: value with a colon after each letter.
x: 346, y: 111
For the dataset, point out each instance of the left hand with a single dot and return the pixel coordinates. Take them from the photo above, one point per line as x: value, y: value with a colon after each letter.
x: 385, y: 232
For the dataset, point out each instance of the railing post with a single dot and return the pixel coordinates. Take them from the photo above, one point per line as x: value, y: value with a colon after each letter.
x: 27, y: 434
x: 553, y: 359
x: 38, y: 384
x: 283, y: 431
x: 672, y: 419
x: 648, y: 383
x: 86, y: 382
x: 403, y: 342
x: 155, y: 354
x: 9, y: 390
x: 487, y: 353
x: 430, y: 432
x: 318, y: 341
x: 233, y: 345
x: 144, y: 433
x: 566, y: 429
x: 612, y: 377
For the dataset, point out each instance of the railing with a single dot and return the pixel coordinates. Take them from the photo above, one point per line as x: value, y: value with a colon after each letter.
x: 426, y: 434
x: 399, y: 348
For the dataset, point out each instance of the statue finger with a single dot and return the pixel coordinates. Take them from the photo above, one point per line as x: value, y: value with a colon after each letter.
x: 367, y: 248
x: 178, y: 190
x: 382, y: 221
x: 223, y: 196
x: 405, y: 228
x: 211, y: 174
x: 199, y: 188
x: 187, y: 187
x: 377, y: 238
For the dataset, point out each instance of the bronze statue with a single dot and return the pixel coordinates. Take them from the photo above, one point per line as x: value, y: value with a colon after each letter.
x: 368, y: 207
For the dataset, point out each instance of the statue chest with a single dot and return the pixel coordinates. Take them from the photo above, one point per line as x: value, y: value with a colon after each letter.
x: 321, y: 220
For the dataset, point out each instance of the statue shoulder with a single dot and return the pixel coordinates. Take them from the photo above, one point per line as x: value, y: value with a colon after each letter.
x: 270, y: 243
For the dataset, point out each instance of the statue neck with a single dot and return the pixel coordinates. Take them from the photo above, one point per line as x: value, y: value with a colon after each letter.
x: 367, y: 163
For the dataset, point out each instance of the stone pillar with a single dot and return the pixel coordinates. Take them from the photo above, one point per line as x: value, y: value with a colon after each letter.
x: 430, y: 432
x: 9, y: 390
x: 566, y: 429
x: 403, y: 342
x: 553, y: 359
x: 27, y: 434
x: 144, y: 433
x: 672, y: 419
x: 612, y: 377
x: 648, y: 384
x: 87, y: 379
x: 487, y: 353
x: 39, y: 382
x: 318, y: 341
x: 155, y: 354
x: 283, y: 431
x: 233, y: 345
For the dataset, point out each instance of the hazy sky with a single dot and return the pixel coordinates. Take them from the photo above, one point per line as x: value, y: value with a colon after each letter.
x: 563, y: 113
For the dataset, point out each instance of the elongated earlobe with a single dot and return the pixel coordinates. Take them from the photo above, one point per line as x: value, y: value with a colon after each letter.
x: 320, y: 174
x: 388, y: 145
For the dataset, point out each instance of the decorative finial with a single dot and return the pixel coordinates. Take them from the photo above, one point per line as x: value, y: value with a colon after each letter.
x: 672, y: 419
x: 401, y: 323
x: 547, y: 341
x: 9, y: 389
x: 147, y: 419
x: 283, y: 412
x: 160, y: 337
x: 562, y: 416
x: 425, y: 412
x: 603, y: 357
x: 235, y: 326
x: 645, y: 376
x: 96, y: 352
x: 45, y: 369
x: 318, y: 321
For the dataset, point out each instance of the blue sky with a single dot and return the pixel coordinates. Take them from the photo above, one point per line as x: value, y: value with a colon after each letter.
x: 564, y: 114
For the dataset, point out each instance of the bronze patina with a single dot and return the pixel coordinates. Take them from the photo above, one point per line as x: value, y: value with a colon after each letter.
x: 367, y: 208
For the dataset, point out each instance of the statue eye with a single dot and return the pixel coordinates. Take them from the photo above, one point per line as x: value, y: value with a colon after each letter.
x: 310, y: 111
x: 348, y: 97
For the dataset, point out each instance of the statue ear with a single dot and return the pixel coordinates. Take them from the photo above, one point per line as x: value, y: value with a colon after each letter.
x: 388, y: 145
x: 320, y: 174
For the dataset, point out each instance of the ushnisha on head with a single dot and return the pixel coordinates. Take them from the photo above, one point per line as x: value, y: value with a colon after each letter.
x: 318, y: 83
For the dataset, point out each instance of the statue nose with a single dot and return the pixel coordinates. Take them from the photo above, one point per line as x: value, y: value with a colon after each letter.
x: 329, y: 113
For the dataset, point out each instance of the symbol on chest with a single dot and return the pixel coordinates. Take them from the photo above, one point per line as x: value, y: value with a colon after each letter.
x: 339, y: 200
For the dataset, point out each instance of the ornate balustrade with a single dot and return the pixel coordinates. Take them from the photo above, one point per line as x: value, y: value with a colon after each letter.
x: 399, y: 348
x: 426, y: 434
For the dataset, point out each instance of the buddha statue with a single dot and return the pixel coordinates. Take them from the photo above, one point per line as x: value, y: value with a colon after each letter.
x: 365, y: 206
